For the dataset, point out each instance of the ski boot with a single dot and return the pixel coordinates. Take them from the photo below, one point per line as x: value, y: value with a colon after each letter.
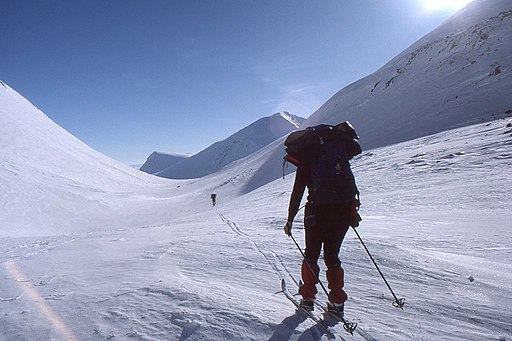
x: 336, y: 309
x: 307, y: 304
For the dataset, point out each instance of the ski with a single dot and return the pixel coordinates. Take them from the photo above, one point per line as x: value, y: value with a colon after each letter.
x: 310, y: 314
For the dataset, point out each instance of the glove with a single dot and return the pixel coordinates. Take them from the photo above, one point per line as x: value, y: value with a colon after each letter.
x: 288, y: 228
x: 355, y: 218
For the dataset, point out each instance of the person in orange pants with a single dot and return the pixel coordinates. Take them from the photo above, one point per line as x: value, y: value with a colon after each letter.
x: 325, y: 226
x: 322, y: 156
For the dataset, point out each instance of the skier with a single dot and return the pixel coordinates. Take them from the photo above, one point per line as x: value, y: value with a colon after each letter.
x: 326, y: 218
x: 213, y: 197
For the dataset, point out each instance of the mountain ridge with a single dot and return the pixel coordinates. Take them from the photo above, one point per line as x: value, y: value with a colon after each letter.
x: 456, y: 75
x: 235, y: 147
x: 403, y: 100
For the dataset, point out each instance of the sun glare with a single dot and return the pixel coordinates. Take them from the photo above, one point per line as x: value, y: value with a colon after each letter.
x: 435, y: 5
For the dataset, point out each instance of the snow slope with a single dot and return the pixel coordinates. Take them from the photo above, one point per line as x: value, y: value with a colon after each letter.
x: 237, y: 146
x: 459, y: 74
x: 52, y: 183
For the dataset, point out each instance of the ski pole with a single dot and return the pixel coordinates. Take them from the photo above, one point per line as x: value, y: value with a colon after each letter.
x: 398, y: 303
x: 348, y: 326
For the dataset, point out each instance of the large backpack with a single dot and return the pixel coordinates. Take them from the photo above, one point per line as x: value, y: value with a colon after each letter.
x: 326, y: 151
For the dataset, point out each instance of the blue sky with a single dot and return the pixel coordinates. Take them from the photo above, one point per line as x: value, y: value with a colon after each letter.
x: 131, y: 77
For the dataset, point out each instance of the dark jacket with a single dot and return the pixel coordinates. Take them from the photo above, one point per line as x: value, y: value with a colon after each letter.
x: 302, y: 180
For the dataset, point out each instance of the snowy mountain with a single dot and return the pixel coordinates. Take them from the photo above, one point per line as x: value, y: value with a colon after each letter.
x: 459, y: 74
x: 91, y: 249
x: 237, y: 146
x: 158, y: 161
x: 50, y: 182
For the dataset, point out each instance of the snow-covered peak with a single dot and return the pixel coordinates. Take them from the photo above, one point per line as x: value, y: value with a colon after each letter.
x: 237, y: 146
x: 295, y: 120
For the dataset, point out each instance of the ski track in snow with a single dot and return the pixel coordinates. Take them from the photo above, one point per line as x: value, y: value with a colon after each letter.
x: 281, y: 269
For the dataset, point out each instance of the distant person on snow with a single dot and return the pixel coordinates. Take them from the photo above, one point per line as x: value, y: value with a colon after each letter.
x: 322, y: 155
x: 213, y: 197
